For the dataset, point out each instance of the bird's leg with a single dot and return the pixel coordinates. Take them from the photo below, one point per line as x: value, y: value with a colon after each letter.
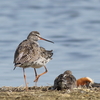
x: 41, y: 74
x: 35, y: 76
x: 25, y: 79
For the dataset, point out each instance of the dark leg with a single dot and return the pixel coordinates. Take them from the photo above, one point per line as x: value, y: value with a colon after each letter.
x: 41, y: 74
x: 35, y: 72
x: 25, y: 79
x: 35, y: 76
x: 14, y: 68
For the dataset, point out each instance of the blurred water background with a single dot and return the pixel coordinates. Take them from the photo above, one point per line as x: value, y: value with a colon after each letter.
x: 74, y: 26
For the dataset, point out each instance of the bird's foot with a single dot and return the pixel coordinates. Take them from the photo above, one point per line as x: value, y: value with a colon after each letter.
x: 37, y: 78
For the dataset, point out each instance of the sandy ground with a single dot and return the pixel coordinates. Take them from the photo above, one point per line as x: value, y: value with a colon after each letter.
x: 42, y: 93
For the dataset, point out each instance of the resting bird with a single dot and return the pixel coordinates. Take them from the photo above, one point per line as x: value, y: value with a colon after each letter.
x: 65, y: 81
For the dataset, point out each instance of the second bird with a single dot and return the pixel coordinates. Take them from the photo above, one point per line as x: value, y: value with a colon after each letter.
x: 30, y: 54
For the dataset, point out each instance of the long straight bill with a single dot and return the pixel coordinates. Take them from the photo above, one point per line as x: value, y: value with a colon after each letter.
x: 45, y: 40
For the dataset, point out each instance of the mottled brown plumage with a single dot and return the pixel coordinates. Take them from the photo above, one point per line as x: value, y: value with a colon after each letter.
x: 30, y: 54
x: 26, y: 52
x: 46, y: 53
x: 65, y: 81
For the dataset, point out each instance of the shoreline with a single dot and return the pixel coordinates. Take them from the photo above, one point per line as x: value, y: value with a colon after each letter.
x: 42, y: 93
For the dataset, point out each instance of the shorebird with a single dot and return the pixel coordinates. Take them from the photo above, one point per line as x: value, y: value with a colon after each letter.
x: 65, y: 81
x: 30, y: 54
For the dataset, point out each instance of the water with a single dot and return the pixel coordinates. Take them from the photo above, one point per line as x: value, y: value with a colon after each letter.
x: 74, y: 26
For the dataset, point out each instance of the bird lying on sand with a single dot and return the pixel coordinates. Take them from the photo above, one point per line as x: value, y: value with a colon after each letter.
x: 65, y: 81
x: 68, y: 81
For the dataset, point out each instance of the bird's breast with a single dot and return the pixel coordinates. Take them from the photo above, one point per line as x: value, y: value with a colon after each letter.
x: 40, y: 62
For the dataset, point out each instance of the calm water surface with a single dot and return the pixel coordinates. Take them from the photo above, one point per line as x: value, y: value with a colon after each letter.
x: 74, y: 26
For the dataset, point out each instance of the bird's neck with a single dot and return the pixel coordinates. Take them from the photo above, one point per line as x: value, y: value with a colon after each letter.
x: 35, y: 42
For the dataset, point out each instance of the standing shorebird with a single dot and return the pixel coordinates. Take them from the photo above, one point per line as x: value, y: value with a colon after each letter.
x: 30, y: 54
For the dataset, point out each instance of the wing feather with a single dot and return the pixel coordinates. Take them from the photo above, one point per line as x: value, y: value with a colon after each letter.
x: 26, y: 52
